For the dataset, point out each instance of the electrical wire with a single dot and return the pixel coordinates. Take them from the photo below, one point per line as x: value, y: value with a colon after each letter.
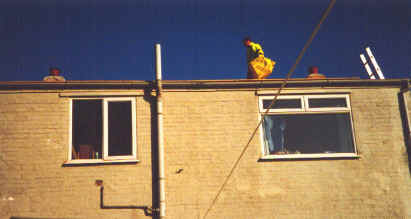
x: 307, y: 44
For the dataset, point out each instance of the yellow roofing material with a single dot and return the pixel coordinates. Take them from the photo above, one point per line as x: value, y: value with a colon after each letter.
x: 261, y: 67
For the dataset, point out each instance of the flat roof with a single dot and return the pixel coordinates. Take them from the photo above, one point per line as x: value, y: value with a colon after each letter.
x: 203, y: 84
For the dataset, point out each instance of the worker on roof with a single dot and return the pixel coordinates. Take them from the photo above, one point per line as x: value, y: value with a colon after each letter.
x: 259, y: 67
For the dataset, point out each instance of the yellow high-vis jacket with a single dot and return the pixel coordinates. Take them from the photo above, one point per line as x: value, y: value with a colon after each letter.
x: 259, y: 67
x: 253, y: 51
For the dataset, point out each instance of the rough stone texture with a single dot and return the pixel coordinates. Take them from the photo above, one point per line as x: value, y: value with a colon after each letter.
x: 34, y: 130
x: 205, y: 132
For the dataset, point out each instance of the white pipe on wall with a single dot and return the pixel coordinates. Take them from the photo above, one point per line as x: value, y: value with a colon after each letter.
x: 161, y: 175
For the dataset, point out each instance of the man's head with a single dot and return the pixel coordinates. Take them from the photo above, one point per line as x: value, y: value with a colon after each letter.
x: 54, y: 71
x: 247, y: 41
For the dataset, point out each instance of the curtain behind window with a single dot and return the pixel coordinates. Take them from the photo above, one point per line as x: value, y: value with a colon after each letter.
x: 274, y: 127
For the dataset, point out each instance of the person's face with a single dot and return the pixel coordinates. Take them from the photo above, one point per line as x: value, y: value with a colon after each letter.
x: 246, y: 42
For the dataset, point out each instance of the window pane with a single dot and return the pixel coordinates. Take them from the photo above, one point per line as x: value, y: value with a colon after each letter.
x: 327, y: 102
x: 308, y: 134
x: 87, y: 129
x: 283, y: 104
x: 119, y: 128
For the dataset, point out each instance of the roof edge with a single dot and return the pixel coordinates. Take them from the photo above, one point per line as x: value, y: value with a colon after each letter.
x: 203, y: 84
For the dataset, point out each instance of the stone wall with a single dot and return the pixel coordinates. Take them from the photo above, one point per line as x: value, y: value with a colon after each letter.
x: 34, y: 130
x: 205, y: 132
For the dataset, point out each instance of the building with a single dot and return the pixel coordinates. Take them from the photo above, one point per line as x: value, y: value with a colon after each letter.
x: 87, y: 149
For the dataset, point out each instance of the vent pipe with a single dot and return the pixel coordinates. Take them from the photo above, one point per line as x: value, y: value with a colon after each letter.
x: 160, y: 140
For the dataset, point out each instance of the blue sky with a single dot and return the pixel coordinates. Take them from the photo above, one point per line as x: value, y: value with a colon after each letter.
x: 114, y: 40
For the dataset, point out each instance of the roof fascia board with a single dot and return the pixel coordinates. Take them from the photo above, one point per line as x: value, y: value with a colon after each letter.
x: 277, y: 83
x: 203, y: 84
x: 72, y: 85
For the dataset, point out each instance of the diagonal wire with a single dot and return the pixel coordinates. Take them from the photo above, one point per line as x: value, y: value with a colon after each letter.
x: 284, y: 83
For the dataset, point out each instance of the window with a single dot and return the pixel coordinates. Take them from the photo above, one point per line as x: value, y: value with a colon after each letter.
x: 103, y: 129
x: 307, y: 126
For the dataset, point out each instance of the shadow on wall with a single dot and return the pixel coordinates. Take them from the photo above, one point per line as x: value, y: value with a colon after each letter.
x: 405, y: 126
x: 147, y: 210
x: 151, y: 99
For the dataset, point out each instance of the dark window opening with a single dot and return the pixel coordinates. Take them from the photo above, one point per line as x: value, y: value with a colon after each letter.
x: 283, y: 104
x: 308, y: 133
x: 327, y: 102
x: 87, y: 129
x: 119, y: 128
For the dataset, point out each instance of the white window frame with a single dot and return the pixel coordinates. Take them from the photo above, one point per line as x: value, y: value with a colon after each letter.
x: 306, y: 110
x: 335, y: 109
x: 106, y: 158
x: 289, y: 97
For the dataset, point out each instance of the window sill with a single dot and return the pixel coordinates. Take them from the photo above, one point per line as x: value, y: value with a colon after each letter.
x: 85, y: 162
x: 310, y: 156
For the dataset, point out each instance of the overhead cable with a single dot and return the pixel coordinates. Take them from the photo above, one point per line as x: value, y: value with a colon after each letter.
x: 297, y: 61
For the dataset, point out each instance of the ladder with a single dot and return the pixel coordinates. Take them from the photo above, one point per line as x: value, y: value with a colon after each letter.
x: 374, y: 62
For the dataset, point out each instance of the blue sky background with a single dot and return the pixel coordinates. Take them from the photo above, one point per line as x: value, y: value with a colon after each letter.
x: 114, y: 40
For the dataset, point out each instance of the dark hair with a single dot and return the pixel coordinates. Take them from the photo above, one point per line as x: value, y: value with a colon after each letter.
x: 247, y: 38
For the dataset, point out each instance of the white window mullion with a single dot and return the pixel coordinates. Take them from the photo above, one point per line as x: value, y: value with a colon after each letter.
x: 105, y: 129
x: 133, y: 128
x: 348, y: 100
x: 70, y: 155
x: 305, y: 103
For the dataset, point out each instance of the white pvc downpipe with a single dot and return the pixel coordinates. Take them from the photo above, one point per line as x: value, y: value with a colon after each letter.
x: 160, y: 140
